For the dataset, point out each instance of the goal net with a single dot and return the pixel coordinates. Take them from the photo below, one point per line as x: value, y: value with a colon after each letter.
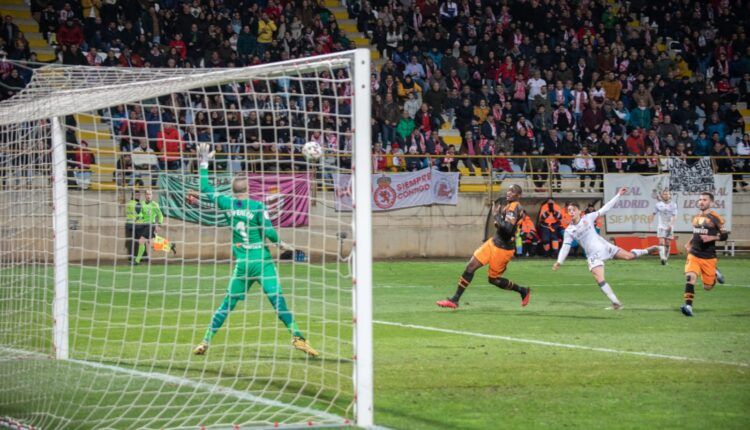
x: 131, y: 296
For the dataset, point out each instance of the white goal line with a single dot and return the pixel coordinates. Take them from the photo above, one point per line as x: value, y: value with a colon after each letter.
x: 562, y: 345
x: 185, y: 382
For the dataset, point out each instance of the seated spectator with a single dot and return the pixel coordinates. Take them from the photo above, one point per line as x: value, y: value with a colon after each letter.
x: 395, y: 158
x: 404, y: 127
x: 145, y: 163
x: 702, y: 145
x: 83, y: 160
x: 634, y: 143
x: 412, y: 104
x: 584, y: 166
x: 449, y: 163
x: 169, y: 144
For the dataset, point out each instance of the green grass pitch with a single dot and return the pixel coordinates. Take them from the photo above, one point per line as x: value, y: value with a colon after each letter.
x: 563, y: 362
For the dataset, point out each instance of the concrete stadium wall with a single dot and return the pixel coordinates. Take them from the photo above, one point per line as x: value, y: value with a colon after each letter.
x: 97, y: 230
x: 433, y: 231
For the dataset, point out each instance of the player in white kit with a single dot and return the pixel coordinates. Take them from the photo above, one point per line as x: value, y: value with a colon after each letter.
x: 665, y: 212
x: 598, y: 249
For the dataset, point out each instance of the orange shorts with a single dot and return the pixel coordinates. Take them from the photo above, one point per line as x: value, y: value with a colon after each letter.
x: 497, y: 258
x: 705, y: 268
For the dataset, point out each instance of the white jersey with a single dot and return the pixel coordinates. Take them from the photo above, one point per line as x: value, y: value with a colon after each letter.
x: 664, y: 213
x: 597, y: 248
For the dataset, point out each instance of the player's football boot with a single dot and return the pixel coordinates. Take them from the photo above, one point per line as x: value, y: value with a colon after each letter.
x: 525, y: 298
x: 616, y: 306
x: 663, y: 262
x: 301, y: 344
x: 447, y: 303
x: 687, y: 310
x: 201, y: 348
x: 719, y: 277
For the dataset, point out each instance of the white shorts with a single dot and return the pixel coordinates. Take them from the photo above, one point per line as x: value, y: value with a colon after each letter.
x: 600, y: 254
x: 664, y: 233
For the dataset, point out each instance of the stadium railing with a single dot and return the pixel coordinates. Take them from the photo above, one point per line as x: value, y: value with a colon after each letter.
x: 540, y: 173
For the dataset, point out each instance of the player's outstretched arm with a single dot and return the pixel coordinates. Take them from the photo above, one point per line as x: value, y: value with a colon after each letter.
x: 564, y: 250
x: 205, y: 154
x: 610, y: 204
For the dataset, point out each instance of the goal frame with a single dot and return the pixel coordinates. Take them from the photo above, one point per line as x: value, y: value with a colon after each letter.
x: 361, y: 228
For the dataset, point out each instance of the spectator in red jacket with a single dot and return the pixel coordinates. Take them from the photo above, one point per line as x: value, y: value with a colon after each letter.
x: 169, y: 144
x: 179, y: 45
x: 83, y: 158
x: 70, y: 33
x: 634, y: 143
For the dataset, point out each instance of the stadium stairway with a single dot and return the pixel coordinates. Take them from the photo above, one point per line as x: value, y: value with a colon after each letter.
x: 22, y: 18
x: 101, y: 142
x: 742, y: 107
x: 349, y: 27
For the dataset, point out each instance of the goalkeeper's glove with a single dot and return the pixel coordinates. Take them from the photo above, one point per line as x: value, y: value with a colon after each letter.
x: 205, y: 154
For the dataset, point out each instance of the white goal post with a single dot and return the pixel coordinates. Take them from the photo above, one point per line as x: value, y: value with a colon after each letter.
x: 121, y: 311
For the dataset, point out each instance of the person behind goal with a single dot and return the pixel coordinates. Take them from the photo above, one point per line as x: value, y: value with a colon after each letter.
x: 598, y: 250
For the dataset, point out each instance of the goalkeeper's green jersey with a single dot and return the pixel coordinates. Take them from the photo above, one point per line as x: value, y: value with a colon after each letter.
x: 248, y: 218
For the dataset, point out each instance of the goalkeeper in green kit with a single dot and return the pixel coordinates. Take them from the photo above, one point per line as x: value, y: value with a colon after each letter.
x: 253, y: 262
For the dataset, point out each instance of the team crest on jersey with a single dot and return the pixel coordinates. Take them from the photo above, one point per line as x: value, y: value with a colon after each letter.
x: 384, y: 195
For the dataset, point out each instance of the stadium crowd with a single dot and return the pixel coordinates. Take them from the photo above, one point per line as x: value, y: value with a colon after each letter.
x: 632, y: 80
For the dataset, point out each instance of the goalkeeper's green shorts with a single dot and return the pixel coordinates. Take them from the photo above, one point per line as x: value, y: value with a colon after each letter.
x: 247, y: 272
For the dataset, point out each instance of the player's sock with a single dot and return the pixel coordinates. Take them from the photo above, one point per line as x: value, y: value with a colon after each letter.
x: 278, y: 302
x: 662, y: 253
x: 227, y: 305
x: 141, y: 251
x: 607, y: 290
x: 689, y: 294
x: 507, y: 284
x: 639, y: 252
x: 666, y: 252
x: 463, y: 283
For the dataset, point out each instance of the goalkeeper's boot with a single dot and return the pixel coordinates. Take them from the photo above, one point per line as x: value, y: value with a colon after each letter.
x: 687, y: 310
x: 447, y: 303
x: 301, y: 344
x: 719, y: 276
x: 525, y: 296
x: 201, y: 348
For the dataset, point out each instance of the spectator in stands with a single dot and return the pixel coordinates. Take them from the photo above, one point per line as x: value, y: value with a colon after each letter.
x: 145, y: 163
x: 584, y: 166
x: 70, y: 33
x: 83, y: 160
x: 404, y: 127
x: 634, y: 143
x: 169, y: 144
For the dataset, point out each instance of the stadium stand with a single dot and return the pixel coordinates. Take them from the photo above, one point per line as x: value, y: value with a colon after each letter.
x: 526, y: 78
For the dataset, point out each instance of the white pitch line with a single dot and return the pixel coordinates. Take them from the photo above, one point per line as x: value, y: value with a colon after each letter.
x: 184, y: 382
x: 561, y: 345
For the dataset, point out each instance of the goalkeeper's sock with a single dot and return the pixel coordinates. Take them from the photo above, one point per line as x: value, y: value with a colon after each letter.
x: 278, y: 302
x: 141, y: 251
x: 463, y: 283
x: 607, y: 290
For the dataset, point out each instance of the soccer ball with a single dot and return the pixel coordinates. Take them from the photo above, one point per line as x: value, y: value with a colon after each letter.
x: 312, y: 151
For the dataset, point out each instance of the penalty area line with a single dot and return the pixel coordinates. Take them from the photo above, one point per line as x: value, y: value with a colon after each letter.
x: 562, y: 345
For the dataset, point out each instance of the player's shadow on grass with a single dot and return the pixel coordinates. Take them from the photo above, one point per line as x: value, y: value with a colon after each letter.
x: 428, y: 423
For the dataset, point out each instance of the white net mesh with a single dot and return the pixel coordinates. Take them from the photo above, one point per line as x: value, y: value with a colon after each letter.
x: 132, y: 328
